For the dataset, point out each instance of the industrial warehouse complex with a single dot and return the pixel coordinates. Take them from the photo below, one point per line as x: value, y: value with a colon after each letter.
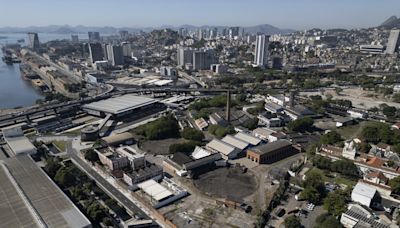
x: 30, y: 199
x: 119, y: 106
x: 201, y: 126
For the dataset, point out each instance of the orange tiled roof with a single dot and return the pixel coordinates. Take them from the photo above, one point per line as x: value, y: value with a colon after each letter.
x: 377, y: 174
x: 375, y: 161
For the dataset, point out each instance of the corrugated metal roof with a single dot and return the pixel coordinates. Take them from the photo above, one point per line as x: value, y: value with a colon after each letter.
x: 120, y: 104
x: 248, y: 138
x: 155, y: 190
x: 235, y: 142
x: 221, y: 147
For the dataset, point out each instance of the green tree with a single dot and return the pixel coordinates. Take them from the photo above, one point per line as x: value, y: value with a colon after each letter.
x: 107, y: 221
x: 251, y: 124
x: 301, y: 125
x: 345, y: 167
x: 52, y: 166
x: 220, y: 131
x: 395, y: 184
x: 396, y: 148
x: 65, y: 177
x: 311, y: 194
x: 192, y: 134
x: 91, y: 156
x: 331, y: 137
x: 322, y: 162
x: 95, y: 211
x: 335, y: 202
x: 78, y: 193
x: 364, y: 147
x: 396, y: 98
x: 162, y: 128
x: 314, y: 187
x: 292, y: 222
x: 389, y: 111
x: 327, y: 221
x: 259, y: 108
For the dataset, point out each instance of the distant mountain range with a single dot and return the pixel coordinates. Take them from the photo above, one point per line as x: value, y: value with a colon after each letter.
x: 66, y: 29
x: 391, y: 22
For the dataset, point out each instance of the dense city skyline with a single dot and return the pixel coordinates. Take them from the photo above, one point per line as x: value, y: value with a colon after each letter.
x: 283, y: 14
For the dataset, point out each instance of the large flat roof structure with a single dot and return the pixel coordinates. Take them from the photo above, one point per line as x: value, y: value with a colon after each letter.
x: 20, y: 145
x: 13, y: 210
x: 37, y: 198
x: 155, y: 190
x: 117, y: 105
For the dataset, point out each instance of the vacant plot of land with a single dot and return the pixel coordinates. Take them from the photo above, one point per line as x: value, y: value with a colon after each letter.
x: 60, y: 145
x: 159, y: 147
x: 354, y: 131
x: 227, y: 183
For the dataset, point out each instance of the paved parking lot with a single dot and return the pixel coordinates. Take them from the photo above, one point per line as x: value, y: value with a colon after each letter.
x: 292, y: 204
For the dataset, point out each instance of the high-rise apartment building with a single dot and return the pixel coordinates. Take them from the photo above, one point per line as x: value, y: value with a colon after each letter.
x: 34, y: 41
x: 203, y: 58
x: 95, y: 52
x: 184, y: 55
x: 261, y: 52
x: 75, y: 38
x: 124, y: 34
x: 233, y: 31
x: 393, y: 42
x: 115, y: 54
x: 94, y: 36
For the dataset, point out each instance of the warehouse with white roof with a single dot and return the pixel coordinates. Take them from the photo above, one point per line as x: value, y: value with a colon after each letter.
x: 364, y: 194
x: 155, y: 190
x: 254, y: 141
x: 17, y: 142
x: 235, y: 142
x: 120, y: 106
x: 226, y: 150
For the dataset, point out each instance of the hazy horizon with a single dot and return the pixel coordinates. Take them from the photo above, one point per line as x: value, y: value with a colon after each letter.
x: 286, y: 14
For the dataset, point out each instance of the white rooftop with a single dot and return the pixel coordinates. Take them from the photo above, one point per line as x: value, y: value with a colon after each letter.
x: 20, y: 145
x: 155, y: 190
x: 235, y: 142
x: 120, y: 104
x: 222, y: 147
x: 248, y: 138
x: 200, y: 152
x: 163, y: 82
x: 364, y: 190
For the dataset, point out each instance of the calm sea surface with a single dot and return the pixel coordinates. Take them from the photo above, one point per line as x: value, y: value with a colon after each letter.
x: 14, y: 91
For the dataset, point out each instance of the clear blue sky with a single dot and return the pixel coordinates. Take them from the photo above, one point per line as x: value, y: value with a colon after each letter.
x: 296, y: 14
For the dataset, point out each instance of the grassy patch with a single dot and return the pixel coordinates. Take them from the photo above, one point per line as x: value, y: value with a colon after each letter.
x: 339, y: 179
x: 61, y: 145
x: 354, y: 131
x: 343, y: 180
x: 76, y: 132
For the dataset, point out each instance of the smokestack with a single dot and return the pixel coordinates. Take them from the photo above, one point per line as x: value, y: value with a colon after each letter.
x: 291, y: 99
x: 228, y: 106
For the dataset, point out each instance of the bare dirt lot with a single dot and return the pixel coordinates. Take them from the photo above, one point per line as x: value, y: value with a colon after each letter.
x: 159, y: 147
x: 360, y: 98
x: 227, y: 183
